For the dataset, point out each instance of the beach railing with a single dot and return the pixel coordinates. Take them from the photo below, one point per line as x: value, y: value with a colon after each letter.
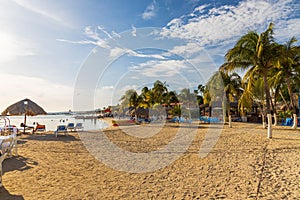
x: 8, y: 144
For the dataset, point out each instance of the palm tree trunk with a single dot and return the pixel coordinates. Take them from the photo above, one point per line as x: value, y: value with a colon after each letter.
x: 283, y: 98
x: 267, y: 92
x: 275, y: 119
x: 288, y: 83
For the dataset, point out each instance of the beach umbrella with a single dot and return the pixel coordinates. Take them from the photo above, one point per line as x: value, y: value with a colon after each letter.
x: 24, y: 106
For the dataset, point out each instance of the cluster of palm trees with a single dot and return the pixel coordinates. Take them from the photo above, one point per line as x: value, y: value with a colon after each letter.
x: 157, y: 96
x: 272, y: 71
x: 271, y: 78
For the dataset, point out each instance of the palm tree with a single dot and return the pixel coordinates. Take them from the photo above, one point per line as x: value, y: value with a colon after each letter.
x: 187, y: 98
x: 217, y: 96
x: 232, y: 88
x: 215, y: 86
x: 134, y: 101
x: 255, y: 53
x: 171, y: 97
x: 125, y: 100
x: 146, y: 98
x: 199, y: 93
x: 159, y: 91
x: 288, y: 67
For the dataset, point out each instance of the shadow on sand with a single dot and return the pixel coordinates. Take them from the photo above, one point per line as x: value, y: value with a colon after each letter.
x: 50, y: 137
x: 5, y: 195
x: 17, y: 163
x: 11, y: 164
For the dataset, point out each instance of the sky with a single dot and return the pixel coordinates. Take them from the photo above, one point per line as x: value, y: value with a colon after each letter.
x: 82, y: 55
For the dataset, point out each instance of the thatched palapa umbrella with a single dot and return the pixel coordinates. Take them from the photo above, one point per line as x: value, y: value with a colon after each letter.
x: 24, y: 106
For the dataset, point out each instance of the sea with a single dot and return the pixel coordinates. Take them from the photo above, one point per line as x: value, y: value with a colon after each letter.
x: 52, y: 121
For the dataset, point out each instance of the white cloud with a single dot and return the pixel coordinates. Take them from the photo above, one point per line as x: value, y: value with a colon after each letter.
x: 51, y: 96
x: 104, y: 31
x: 288, y: 29
x: 133, y: 33
x: 14, y: 47
x: 93, y: 38
x: 114, y: 34
x: 93, y: 34
x: 159, y: 68
x: 187, y: 50
x: 118, y: 51
x: 150, y: 11
x: 107, y: 87
x: 141, y: 55
x: 224, y: 23
x: 43, y: 12
x: 113, y: 93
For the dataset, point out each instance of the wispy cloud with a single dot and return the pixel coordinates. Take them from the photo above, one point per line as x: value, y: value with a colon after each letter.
x: 159, y: 68
x: 133, y: 32
x: 215, y: 25
x: 43, y: 12
x: 93, y: 37
x: 150, y: 11
x: 118, y: 51
x: 100, y: 39
x: 114, y: 34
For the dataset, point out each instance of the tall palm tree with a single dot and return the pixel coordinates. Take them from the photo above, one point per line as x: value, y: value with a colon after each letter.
x: 232, y: 88
x: 288, y: 67
x: 255, y: 53
x: 135, y: 101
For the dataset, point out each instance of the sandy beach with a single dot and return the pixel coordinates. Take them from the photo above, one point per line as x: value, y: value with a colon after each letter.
x: 243, y: 164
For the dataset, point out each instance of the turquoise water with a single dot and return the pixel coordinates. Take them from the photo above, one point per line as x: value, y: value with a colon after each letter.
x: 52, y: 121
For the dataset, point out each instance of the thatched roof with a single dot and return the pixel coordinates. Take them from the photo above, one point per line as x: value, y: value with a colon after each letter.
x: 20, y: 107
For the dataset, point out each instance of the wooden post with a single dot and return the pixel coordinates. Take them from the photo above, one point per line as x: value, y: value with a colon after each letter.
x: 25, y: 104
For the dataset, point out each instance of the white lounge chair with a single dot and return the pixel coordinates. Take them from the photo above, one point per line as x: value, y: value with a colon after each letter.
x: 71, y: 127
x: 79, y: 127
x: 61, y: 129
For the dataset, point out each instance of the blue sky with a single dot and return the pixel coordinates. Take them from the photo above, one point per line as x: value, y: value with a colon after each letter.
x: 50, y: 49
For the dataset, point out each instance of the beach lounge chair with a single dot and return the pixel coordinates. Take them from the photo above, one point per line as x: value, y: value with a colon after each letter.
x: 79, y: 127
x: 71, y: 127
x: 61, y: 129
x: 40, y: 128
x: 287, y: 122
